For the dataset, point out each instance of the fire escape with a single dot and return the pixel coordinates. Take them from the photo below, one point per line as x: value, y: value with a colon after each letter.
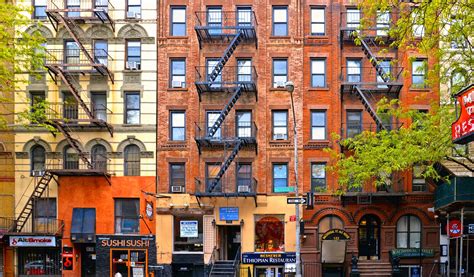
x: 66, y: 66
x: 233, y: 29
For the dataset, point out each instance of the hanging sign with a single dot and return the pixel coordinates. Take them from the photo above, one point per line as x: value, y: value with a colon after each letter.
x: 188, y: 228
x: 463, y: 129
x: 149, y: 209
x: 454, y: 228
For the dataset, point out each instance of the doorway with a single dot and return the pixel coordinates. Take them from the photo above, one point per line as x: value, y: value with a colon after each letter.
x: 88, y: 257
x: 230, y: 242
x: 369, y: 237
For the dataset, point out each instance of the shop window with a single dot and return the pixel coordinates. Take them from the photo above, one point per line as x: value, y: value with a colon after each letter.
x: 39, y: 261
x: 409, y: 232
x: 269, y: 233
x: 38, y: 158
x: 127, y: 216
x: 129, y: 262
x: 132, y: 160
x: 188, y: 234
x: 327, y: 223
x: 44, y: 216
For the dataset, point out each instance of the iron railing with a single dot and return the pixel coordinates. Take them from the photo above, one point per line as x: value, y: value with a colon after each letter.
x: 350, y: 130
x: 229, y: 131
x: 229, y: 78
x: 366, y: 77
x: 241, y: 186
x: 76, y: 59
x: 223, y: 21
x: 7, y: 224
x: 71, y: 112
x: 82, y: 8
x: 378, y: 26
x: 35, y: 225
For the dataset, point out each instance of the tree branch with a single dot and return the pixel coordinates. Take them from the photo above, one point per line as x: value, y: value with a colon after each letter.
x: 459, y: 163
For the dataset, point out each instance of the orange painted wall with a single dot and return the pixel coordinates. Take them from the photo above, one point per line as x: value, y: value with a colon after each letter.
x: 95, y: 192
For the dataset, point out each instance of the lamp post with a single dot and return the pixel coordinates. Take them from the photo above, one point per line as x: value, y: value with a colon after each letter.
x: 290, y: 87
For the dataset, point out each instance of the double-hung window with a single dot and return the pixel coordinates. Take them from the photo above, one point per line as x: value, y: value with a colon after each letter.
x: 177, y: 177
x: 244, y: 16
x: 244, y: 177
x: 73, y: 7
x: 280, y: 72
x: 212, y: 117
x: 280, y: 21
x: 38, y: 107
x: 44, y: 215
x: 178, y: 73
x: 354, y: 74
x: 417, y: 27
x: 39, y: 9
x: 318, y: 73
x: 280, y: 177
x: 409, y: 232
x: 418, y: 181
x: 133, y: 55
x: 101, y: 52
x: 212, y: 169
x: 38, y: 160
x: 354, y: 123
x: 418, y: 73
x: 131, y: 155
x: 211, y: 64
x: 177, y: 125
x: 280, y: 125
x: 127, y: 216
x: 214, y: 20
x: 318, y: 27
x: 353, y: 18
x: 318, y: 125
x: 132, y: 108
x: 244, y: 70
x: 178, y: 21
x: 318, y: 177
x: 244, y: 124
x: 383, y: 23
x: 134, y: 9
x: 71, y: 55
x: 387, y: 71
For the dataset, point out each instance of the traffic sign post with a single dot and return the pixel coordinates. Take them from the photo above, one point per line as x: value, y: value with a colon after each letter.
x: 295, y: 200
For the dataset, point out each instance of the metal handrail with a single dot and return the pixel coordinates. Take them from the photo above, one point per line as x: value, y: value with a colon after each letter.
x: 228, y: 19
x: 229, y: 130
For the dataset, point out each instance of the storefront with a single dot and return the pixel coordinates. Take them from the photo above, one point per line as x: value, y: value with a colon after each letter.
x: 411, y: 260
x: 276, y: 264
x: 188, y: 248
x: 128, y: 255
x: 37, y: 255
x: 333, y: 252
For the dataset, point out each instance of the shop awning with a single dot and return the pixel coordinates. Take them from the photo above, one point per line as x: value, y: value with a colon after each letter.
x: 83, y: 225
x: 333, y: 251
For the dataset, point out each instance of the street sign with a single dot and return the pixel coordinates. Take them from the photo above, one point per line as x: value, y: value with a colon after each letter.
x: 295, y: 200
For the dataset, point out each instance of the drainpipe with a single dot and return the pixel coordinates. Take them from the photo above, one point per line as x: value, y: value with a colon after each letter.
x: 460, y: 247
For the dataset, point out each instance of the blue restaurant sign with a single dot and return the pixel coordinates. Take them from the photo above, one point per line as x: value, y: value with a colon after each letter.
x: 228, y: 213
x: 269, y: 258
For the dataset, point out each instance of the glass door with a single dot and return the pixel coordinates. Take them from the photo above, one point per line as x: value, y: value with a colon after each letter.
x: 129, y: 262
x: 270, y: 271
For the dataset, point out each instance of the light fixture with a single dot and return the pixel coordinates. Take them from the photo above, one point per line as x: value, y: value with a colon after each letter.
x: 213, y: 223
x: 290, y: 87
x: 242, y: 222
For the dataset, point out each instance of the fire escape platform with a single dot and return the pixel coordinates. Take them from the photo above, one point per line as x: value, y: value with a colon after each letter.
x: 393, y: 88
x: 79, y: 172
x: 223, y: 34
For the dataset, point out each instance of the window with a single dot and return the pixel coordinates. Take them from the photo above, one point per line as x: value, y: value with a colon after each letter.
x: 418, y: 181
x: 318, y: 177
x: 177, y: 177
x: 418, y: 73
x: 214, y: 20
x: 71, y: 55
x: 244, y: 176
x: 70, y: 106
x: 178, y: 124
x: 383, y: 23
x: 244, y: 70
x: 70, y: 158
x: 280, y: 178
x: 280, y: 125
x: 318, y: 125
x: 134, y: 8
x: 417, y: 25
x: 101, y: 5
x: 99, y: 157
x: 280, y: 72
x: 280, y: 21
x: 244, y: 124
x: 269, y: 234
x: 131, y: 160
x: 127, y: 216
x: 39, y: 9
x: 354, y: 123
x: 178, y: 21
x: 212, y: 117
x: 409, y: 232
x: 188, y: 234
x: 133, y: 52
x: 244, y: 16
x: 354, y: 71
x: 44, y: 215
x: 178, y: 73
x: 327, y: 223
x: 212, y: 169
x: 353, y: 18
x: 99, y: 105
x: 387, y: 69
x: 37, y: 107
x: 38, y: 159
x: 74, y: 6
x: 211, y: 65
x: 318, y: 27
x: 101, y: 52
x: 132, y: 108
x: 318, y: 73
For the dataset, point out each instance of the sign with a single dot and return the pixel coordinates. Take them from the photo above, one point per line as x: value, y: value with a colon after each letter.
x: 123, y: 241
x: 228, y: 213
x: 336, y: 234
x: 292, y: 218
x: 188, y: 228
x: 412, y: 253
x: 454, y: 228
x: 463, y: 129
x: 295, y: 200
x: 269, y: 258
x: 32, y: 241
x: 68, y: 255
x: 470, y: 229
x: 149, y: 210
x: 290, y: 268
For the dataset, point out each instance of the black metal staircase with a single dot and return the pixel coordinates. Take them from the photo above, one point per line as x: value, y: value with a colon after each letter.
x: 228, y: 107
x: 368, y: 107
x: 227, y: 54
x: 240, y: 143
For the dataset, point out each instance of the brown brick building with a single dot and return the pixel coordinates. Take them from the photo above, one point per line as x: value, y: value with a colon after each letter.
x: 225, y: 145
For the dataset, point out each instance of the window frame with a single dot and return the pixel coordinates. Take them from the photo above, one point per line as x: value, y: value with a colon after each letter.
x: 33, y: 162
x: 239, y: 126
x: 408, y: 232
x: 173, y: 23
x: 128, y: 163
x: 314, y: 179
x: 324, y: 112
x: 116, y: 201
x: 313, y: 22
x: 127, y: 56
x: 70, y: 162
x: 35, y: 7
x: 133, y: 5
x: 286, y: 179
x: 172, y: 177
x: 418, y: 181
x: 274, y: 83
x: 348, y: 74
x: 172, y: 74
x: 418, y: 74
x: 126, y: 117
x: 244, y: 9
x: 274, y: 23
x: 353, y: 24
x: 239, y: 165
x: 280, y: 126
x: 359, y: 112
x: 382, y: 26
x: 172, y: 127
x: 323, y: 60
x: 247, y: 77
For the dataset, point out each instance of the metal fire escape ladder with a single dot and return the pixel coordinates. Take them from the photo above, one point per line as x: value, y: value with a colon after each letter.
x: 363, y: 98
x: 69, y: 80
x: 28, y: 208
x: 373, y: 60
x: 227, y: 54
x: 240, y: 143
x: 228, y: 107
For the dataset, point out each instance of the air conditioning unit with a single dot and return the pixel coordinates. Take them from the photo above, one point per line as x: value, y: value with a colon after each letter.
x: 177, y: 84
x: 134, y: 15
x: 133, y: 66
x: 280, y: 84
x: 177, y: 189
x: 138, y: 15
x: 37, y: 173
x: 243, y: 188
x: 280, y: 136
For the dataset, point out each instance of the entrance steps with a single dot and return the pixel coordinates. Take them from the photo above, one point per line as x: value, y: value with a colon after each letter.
x: 223, y: 268
x: 374, y: 268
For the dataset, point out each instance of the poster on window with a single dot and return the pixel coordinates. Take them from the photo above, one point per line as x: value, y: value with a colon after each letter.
x: 188, y: 228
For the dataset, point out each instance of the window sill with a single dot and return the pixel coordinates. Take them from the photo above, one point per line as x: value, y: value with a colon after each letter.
x: 133, y: 19
x: 132, y: 125
x: 177, y: 89
x: 277, y: 89
x: 418, y: 89
x: 176, y: 142
x: 322, y: 37
x: 318, y: 89
x: 279, y: 141
x: 318, y: 141
x: 177, y: 37
x: 130, y: 71
x: 280, y: 37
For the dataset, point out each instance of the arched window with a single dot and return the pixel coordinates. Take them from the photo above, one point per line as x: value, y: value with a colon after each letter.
x: 99, y: 157
x: 409, y: 232
x: 327, y: 223
x: 38, y: 158
x: 70, y: 158
x: 132, y: 160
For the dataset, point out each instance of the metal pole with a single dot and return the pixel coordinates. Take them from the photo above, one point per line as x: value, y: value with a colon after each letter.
x: 297, y: 206
x: 449, y: 240
x: 460, y: 247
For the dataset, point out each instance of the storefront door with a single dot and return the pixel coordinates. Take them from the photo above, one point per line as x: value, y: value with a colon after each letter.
x: 369, y: 237
x: 230, y: 242
x: 269, y: 271
x: 88, y: 258
x: 129, y: 262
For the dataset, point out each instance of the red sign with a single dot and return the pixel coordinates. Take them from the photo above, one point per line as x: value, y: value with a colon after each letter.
x: 463, y: 129
x: 454, y: 228
x: 292, y: 218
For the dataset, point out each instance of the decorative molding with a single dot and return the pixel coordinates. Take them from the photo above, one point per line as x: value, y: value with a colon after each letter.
x: 359, y: 213
x: 134, y: 31
x: 132, y: 77
x: 129, y: 141
x: 36, y: 141
x: 45, y: 32
x: 147, y: 154
x: 103, y: 142
x: 63, y: 143
x: 343, y: 214
x: 22, y: 155
x: 397, y: 213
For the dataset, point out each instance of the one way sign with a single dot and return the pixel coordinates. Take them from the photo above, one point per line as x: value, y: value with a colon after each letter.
x: 308, y: 200
x: 295, y: 200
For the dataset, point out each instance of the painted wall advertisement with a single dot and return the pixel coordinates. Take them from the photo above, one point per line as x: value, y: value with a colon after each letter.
x: 188, y: 228
x: 32, y: 241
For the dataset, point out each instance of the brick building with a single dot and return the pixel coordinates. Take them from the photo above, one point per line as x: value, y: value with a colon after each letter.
x: 225, y: 146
